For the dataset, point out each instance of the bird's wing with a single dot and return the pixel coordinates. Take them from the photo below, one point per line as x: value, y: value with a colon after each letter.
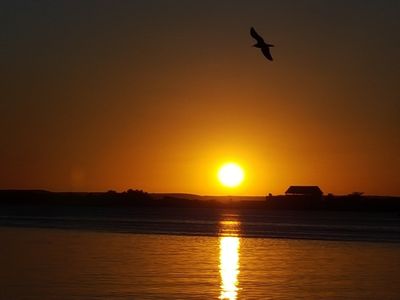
x: 267, y: 53
x: 255, y: 35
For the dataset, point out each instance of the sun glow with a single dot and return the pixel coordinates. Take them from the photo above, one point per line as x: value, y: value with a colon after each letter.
x: 231, y: 175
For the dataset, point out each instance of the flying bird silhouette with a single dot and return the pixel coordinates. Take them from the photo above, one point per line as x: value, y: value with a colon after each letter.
x: 261, y: 44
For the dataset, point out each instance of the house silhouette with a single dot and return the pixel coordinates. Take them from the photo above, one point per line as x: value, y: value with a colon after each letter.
x: 302, y: 190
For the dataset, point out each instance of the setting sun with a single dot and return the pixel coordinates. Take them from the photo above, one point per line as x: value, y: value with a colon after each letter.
x: 231, y: 175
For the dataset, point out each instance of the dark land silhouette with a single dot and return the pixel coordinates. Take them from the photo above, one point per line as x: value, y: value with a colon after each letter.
x: 138, y: 198
x: 351, y: 217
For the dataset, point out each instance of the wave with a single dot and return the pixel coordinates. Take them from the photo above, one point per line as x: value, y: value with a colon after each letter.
x: 287, y: 225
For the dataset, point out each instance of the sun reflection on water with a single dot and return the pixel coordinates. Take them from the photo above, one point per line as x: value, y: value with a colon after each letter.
x: 229, y: 244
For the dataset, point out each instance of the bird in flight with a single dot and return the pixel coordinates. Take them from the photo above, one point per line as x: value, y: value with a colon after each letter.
x: 261, y: 44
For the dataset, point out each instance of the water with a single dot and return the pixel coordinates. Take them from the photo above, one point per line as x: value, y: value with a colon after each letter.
x: 324, y: 225
x: 216, y: 256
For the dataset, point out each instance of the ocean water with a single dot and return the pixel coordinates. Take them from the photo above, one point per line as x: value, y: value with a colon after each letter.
x: 203, y: 221
x: 222, y: 256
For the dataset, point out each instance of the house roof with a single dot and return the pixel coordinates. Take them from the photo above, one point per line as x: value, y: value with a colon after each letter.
x: 304, y: 190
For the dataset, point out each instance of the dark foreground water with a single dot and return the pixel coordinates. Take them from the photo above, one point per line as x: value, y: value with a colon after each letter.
x: 190, y: 255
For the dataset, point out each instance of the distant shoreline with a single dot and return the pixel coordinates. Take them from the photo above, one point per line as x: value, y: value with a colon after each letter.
x: 139, y: 198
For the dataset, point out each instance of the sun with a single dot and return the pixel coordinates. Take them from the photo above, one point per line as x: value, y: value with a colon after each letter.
x: 231, y: 175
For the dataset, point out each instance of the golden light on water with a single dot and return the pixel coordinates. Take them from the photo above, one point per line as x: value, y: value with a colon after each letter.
x: 229, y: 260
x: 229, y: 267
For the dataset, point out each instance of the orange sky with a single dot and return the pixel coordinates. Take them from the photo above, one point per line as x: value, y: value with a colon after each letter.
x: 156, y: 95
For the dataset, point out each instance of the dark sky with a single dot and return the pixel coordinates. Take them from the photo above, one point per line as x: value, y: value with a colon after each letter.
x: 156, y: 95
